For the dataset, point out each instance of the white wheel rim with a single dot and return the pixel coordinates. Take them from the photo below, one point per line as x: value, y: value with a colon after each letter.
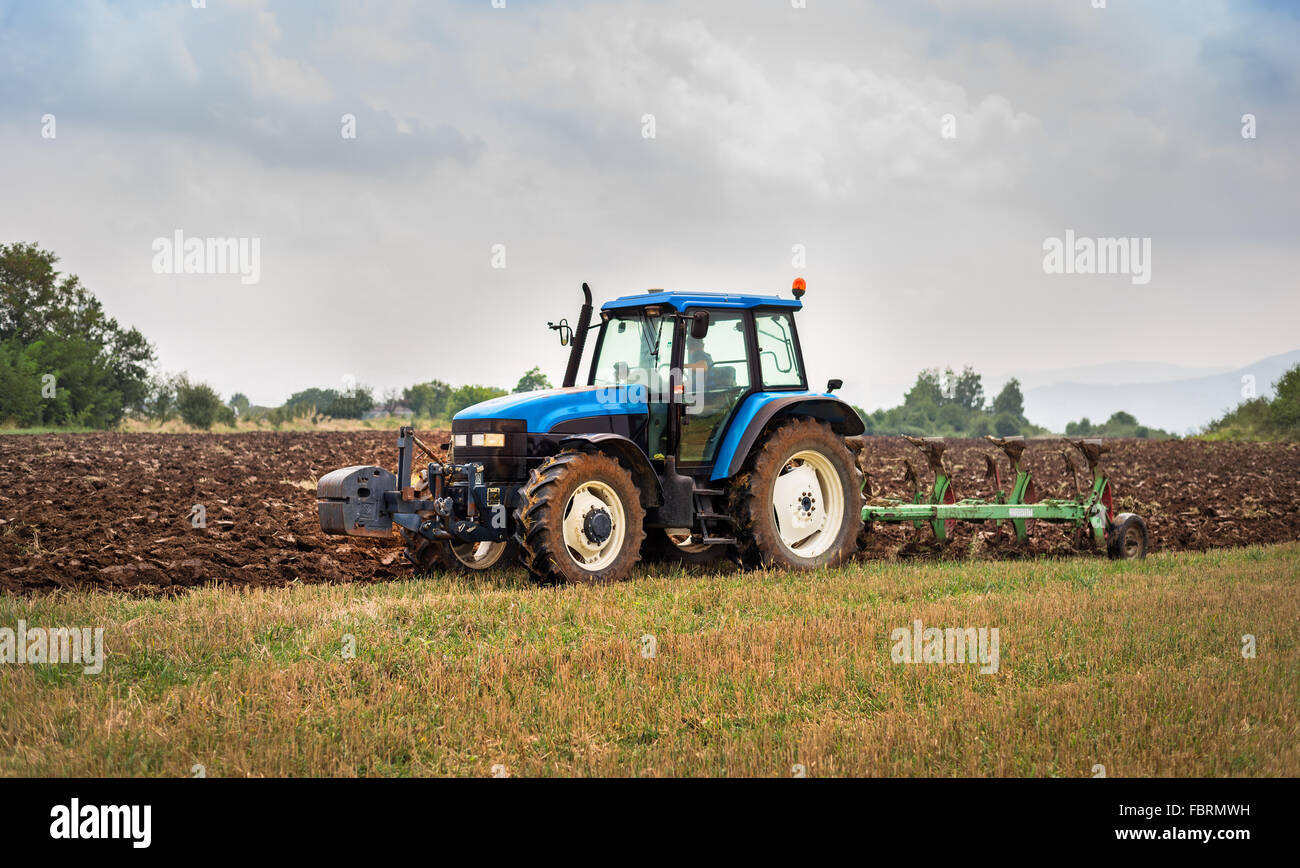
x: 480, y: 555
x: 586, y: 553
x: 808, y: 504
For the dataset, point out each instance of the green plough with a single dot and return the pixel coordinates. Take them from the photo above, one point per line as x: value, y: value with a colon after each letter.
x: 1091, y: 512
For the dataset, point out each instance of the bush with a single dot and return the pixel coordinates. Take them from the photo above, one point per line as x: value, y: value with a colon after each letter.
x: 199, y: 404
x: 160, y: 401
x: 428, y: 400
x: 352, y: 404
x: 1120, y: 424
x: 533, y: 380
x: 1262, y: 419
x: 467, y: 396
x: 307, y: 400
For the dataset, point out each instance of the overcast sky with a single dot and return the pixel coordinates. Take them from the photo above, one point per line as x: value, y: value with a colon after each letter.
x: 774, y: 126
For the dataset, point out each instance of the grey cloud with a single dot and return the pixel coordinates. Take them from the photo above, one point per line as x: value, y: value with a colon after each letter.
x: 775, y: 126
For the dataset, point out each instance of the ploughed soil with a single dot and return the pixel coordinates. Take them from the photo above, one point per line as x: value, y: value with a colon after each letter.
x: 117, y: 510
x: 1194, y: 495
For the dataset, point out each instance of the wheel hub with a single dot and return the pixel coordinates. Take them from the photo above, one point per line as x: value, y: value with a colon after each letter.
x: 597, y: 526
x: 808, y: 504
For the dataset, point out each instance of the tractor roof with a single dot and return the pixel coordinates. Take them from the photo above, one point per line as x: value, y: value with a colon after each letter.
x: 682, y: 300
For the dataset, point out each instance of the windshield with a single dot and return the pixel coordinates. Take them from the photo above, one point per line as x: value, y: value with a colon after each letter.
x: 641, y: 339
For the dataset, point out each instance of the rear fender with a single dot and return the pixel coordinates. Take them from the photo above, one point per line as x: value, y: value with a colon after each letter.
x: 763, y: 408
x: 626, y: 453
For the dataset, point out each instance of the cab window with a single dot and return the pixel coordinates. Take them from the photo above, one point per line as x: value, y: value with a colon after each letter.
x: 639, y: 339
x: 778, y: 356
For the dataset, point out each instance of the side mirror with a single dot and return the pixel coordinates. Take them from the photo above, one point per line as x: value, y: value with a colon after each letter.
x: 621, y: 371
x: 566, y: 333
x: 699, y: 324
x: 833, y: 384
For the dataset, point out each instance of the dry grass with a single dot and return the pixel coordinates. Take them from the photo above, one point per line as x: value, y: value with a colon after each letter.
x: 306, y: 422
x: 1134, y: 666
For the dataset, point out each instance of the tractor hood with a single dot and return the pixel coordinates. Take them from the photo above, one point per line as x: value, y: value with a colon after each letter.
x: 544, y: 409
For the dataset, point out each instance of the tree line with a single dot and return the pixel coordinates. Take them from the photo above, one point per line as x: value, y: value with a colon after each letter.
x: 65, y: 363
x: 1276, y: 418
x: 952, y: 404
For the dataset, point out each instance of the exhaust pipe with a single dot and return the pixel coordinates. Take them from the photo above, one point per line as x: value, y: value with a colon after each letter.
x: 579, y: 339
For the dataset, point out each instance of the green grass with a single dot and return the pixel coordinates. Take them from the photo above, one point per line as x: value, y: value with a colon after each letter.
x: 1134, y: 665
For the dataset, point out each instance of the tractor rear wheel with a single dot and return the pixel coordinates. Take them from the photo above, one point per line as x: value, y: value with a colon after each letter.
x: 580, y: 520
x: 1127, y: 538
x: 798, y: 501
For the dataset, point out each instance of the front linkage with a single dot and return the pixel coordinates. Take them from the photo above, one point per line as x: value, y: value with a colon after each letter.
x: 1124, y: 536
x: 451, y: 502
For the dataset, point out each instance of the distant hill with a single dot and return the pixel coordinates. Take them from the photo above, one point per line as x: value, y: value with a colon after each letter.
x: 1177, y: 405
x: 1113, y: 372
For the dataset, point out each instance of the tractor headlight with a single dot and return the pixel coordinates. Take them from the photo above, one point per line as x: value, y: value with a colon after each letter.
x: 491, y: 440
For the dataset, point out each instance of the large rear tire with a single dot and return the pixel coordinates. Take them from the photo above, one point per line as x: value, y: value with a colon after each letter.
x: 798, y: 501
x: 580, y: 520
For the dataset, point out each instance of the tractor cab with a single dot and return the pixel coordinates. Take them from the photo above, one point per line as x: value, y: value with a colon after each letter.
x: 690, y: 360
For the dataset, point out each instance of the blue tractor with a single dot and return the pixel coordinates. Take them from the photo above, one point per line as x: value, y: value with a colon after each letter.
x: 695, y: 437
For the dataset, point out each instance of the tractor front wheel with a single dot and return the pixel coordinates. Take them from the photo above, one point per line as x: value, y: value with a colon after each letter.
x: 580, y: 520
x: 798, y: 502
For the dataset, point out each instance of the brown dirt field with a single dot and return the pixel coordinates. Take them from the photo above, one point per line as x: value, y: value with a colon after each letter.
x: 113, y: 510
x: 1194, y: 495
